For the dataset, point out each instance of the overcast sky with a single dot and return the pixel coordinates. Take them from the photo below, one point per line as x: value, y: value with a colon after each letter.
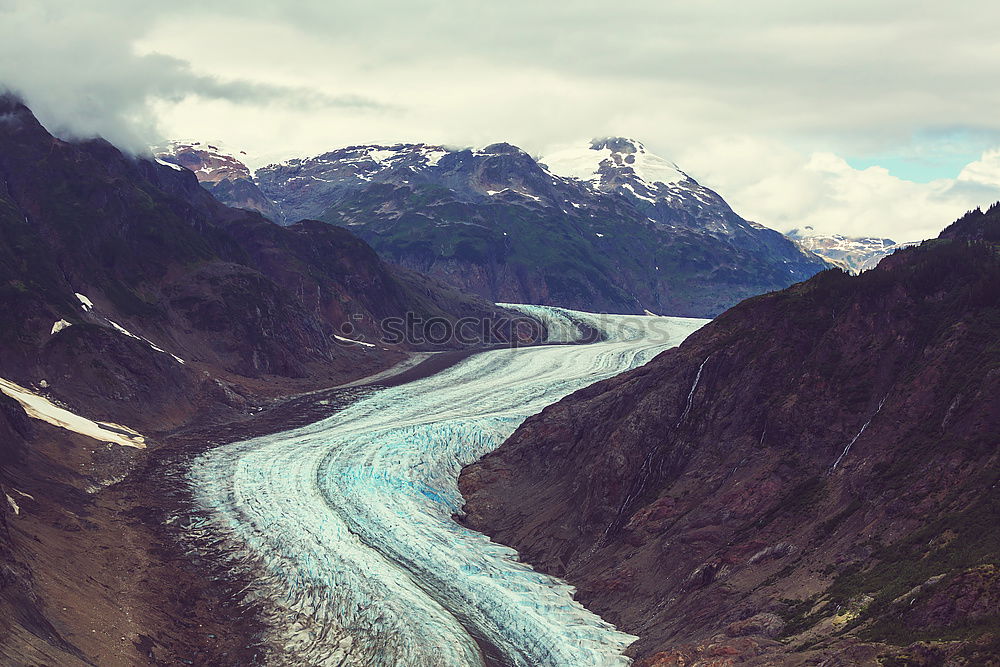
x: 851, y: 117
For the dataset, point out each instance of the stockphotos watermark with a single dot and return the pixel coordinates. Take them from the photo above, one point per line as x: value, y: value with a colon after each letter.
x: 415, y: 330
x: 509, y: 330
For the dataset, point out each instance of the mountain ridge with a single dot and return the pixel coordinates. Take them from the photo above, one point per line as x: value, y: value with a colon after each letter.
x: 634, y: 234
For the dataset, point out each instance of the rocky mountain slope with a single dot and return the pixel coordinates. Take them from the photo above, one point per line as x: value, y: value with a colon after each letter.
x: 132, y: 256
x: 853, y: 254
x: 221, y: 173
x: 607, y: 226
x: 134, y: 305
x: 809, y: 479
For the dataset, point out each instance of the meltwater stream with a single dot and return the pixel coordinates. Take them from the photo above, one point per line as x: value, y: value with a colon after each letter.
x: 349, y: 520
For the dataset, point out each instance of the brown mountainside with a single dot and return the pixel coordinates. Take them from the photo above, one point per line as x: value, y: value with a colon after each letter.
x: 812, y: 477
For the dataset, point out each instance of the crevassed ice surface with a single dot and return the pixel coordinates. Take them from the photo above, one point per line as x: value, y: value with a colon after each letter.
x: 350, y: 518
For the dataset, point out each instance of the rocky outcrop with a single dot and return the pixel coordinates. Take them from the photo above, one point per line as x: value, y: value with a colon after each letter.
x: 812, y: 473
x: 221, y: 173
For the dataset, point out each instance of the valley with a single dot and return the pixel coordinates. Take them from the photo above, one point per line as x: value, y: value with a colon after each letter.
x: 426, y: 378
x: 348, y: 522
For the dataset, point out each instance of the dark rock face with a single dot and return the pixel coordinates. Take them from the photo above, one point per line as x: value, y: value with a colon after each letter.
x: 15, y: 429
x: 624, y: 232
x: 818, y: 465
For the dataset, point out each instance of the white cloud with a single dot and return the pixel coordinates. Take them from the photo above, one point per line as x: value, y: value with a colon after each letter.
x: 76, y: 66
x: 785, y: 189
x: 799, y: 83
x: 985, y: 170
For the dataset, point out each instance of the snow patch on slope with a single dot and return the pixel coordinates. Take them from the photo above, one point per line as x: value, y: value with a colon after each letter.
x: 654, y: 169
x: 88, y: 306
x: 13, y: 505
x: 59, y: 326
x: 119, y: 328
x: 41, y: 408
x: 382, y: 155
x: 434, y: 155
x: 587, y: 163
x: 577, y: 162
x: 352, y: 341
x: 173, y: 166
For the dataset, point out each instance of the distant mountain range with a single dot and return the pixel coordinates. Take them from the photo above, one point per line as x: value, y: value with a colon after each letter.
x: 606, y: 226
x: 853, y: 254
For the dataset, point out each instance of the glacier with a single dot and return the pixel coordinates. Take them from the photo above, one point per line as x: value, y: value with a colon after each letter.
x: 349, y: 521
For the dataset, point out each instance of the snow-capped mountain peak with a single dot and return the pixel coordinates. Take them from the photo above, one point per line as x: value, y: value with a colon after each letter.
x: 414, y: 155
x: 612, y: 160
x: 364, y: 160
x: 853, y: 254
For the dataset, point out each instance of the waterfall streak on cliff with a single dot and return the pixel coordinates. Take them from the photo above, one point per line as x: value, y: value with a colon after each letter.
x: 855, y: 439
x: 694, y: 386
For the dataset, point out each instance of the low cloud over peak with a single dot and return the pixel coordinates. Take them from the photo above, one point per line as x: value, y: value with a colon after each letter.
x: 770, y: 104
x: 77, y: 67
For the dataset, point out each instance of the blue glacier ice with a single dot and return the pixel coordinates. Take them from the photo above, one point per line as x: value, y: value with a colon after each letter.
x: 349, y: 520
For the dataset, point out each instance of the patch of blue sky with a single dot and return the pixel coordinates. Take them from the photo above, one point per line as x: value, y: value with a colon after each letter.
x: 932, y: 154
